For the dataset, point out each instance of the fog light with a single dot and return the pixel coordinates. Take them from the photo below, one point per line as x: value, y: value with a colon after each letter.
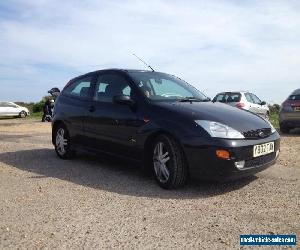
x: 277, y: 153
x: 239, y: 164
x: 223, y: 154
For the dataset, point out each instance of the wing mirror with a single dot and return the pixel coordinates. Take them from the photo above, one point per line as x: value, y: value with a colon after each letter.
x: 263, y: 103
x: 123, y: 99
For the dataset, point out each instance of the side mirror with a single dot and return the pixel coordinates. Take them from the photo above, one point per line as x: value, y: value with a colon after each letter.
x: 263, y: 103
x: 123, y: 99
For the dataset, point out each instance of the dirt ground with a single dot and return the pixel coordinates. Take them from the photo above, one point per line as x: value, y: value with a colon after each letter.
x: 97, y: 202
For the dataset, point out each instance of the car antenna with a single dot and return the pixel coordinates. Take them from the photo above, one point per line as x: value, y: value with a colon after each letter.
x: 143, y: 62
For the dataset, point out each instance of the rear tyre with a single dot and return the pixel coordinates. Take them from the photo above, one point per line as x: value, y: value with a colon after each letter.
x: 284, y: 130
x: 168, y: 162
x: 22, y: 114
x: 63, y: 143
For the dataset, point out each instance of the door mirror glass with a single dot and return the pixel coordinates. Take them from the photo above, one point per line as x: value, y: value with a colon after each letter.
x: 263, y: 103
x: 123, y: 99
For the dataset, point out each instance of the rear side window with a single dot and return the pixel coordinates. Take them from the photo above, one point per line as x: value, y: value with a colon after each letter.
x: 80, y: 88
x: 248, y: 97
x: 255, y: 99
x: 294, y: 97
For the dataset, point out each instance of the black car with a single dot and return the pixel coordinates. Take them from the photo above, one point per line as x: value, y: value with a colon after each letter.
x: 164, y: 122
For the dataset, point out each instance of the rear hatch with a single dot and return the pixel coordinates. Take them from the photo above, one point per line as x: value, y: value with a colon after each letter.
x: 292, y: 106
x: 230, y: 98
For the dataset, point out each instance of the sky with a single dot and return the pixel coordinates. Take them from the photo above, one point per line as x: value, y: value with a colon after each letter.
x: 214, y: 45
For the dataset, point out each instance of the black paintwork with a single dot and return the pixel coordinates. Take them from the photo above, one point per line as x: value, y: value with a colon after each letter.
x: 126, y: 129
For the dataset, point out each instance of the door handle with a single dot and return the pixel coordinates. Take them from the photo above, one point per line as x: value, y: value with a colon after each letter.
x: 92, y: 108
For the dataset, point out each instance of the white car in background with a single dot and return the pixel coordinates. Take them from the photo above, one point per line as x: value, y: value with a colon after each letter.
x: 12, y: 109
x: 244, y: 100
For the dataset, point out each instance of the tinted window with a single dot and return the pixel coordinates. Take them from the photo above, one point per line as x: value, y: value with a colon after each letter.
x: 228, y: 97
x: 255, y: 99
x: 80, y: 88
x: 110, y: 85
x: 294, y: 97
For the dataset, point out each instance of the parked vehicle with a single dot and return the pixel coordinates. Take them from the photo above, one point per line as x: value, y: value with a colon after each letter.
x: 244, y: 100
x: 12, y: 109
x: 163, y: 122
x: 289, y: 115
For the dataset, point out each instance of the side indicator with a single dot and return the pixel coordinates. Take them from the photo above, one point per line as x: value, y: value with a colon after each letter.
x: 223, y: 154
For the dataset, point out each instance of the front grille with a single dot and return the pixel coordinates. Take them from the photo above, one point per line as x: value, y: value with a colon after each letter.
x: 256, y: 134
x: 260, y: 160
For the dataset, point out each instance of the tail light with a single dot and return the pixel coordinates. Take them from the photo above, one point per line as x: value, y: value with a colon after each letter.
x: 240, y: 105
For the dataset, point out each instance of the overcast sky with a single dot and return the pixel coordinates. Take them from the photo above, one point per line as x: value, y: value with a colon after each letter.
x: 215, y: 45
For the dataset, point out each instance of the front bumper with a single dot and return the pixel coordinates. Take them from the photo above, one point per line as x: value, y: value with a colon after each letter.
x: 204, y: 164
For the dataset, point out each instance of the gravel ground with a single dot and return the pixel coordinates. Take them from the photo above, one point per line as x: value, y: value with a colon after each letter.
x: 96, y: 202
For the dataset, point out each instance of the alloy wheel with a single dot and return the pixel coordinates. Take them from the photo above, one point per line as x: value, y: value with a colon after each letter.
x: 61, y: 141
x: 160, y: 159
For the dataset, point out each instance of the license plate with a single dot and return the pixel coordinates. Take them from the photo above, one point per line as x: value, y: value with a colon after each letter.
x: 296, y: 108
x: 263, y: 149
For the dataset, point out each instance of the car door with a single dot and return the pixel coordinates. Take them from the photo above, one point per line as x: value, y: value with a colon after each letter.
x: 12, y: 109
x: 3, y: 109
x: 73, y: 104
x: 109, y: 126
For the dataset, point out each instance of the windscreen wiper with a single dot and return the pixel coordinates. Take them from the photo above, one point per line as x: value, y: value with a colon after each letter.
x: 190, y: 99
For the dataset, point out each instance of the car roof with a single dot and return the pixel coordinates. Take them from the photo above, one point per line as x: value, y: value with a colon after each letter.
x: 114, y: 69
x: 229, y: 92
x: 296, y: 92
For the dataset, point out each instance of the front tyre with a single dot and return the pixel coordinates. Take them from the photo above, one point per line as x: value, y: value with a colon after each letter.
x: 169, y: 165
x: 22, y: 114
x: 63, y: 142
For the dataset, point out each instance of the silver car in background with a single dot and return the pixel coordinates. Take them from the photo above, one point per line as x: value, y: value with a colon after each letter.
x: 289, y: 116
x: 244, y: 100
x: 12, y: 109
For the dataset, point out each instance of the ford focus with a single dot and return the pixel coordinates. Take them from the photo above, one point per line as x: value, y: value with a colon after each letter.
x: 165, y: 123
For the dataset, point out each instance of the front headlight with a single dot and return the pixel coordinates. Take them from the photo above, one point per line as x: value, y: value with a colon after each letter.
x: 216, y: 129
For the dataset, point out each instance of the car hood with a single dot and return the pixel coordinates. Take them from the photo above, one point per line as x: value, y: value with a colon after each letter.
x: 238, y: 119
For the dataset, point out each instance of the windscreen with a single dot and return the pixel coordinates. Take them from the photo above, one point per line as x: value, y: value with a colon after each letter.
x: 163, y: 87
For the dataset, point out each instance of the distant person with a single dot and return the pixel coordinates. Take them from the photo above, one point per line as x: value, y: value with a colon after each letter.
x: 47, y: 109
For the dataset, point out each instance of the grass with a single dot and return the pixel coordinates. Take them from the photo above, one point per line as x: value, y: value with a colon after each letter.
x: 35, y: 115
x: 274, y: 119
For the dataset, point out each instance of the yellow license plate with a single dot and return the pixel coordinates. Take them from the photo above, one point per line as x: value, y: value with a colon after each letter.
x: 297, y: 108
x: 263, y: 149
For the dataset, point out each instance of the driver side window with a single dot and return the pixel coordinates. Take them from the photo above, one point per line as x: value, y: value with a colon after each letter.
x: 110, y: 85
